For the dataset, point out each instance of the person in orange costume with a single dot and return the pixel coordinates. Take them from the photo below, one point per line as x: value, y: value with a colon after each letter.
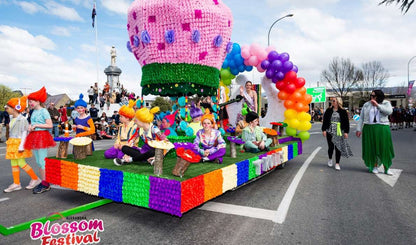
x: 83, y: 123
x: 15, y: 151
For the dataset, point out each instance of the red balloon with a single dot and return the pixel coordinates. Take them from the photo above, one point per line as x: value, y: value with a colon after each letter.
x: 291, y: 76
x: 283, y: 95
x: 290, y: 88
x: 300, y: 82
x: 280, y: 85
x: 289, y: 104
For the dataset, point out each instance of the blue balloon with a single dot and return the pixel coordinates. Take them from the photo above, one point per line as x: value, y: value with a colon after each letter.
x: 249, y: 68
x: 234, y: 71
x: 241, y: 68
x: 236, y: 48
x: 225, y: 64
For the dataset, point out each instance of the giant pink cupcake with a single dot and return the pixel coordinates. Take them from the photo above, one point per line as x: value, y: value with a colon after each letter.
x: 180, y: 45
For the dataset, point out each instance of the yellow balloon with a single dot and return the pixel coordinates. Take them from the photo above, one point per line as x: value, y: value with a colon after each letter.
x: 290, y: 113
x: 304, y: 116
x: 304, y: 126
x: 294, y: 123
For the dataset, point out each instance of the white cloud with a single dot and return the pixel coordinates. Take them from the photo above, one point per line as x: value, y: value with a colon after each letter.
x: 28, y: 64
x: 116, y: 6
x: 61, y: 31
x: 30, y: 7
x: 52, y: 8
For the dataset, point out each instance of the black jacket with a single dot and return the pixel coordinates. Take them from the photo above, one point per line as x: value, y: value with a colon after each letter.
x: 345, y: 123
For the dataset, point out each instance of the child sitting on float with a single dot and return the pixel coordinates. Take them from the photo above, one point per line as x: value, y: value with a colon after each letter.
x: 126, y: 130
x: 83, y: 123
x: 196, y: 114
x: 253, y: 135
x: 14, y: 150
x: 210, y: 139
x: 168, y: 125
x: 147, y: 132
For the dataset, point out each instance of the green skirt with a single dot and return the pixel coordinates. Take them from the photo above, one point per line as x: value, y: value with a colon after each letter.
x: 377, y: 145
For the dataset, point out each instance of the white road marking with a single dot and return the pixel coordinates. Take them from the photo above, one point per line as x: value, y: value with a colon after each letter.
x: 287, y: 199
x: 315, y: 133
x: 257, y: 213
x: 389, y: 179
x: 4, y: 199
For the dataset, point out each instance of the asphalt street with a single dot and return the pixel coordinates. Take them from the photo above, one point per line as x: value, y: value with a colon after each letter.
x: 350, y: 206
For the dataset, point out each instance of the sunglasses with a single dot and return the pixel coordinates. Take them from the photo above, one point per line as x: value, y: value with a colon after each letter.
x: 372, y: 95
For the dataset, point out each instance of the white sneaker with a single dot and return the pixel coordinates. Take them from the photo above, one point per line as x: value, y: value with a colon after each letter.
x: 375, y: 170
x: 388, y: 172
x: 33, y: 184
x: 13, y: 187
x: 337, y: 167
x: 330, y: 164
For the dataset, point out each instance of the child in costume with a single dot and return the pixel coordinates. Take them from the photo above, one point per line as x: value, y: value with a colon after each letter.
x: 15, y: 151
x: 196, y: 114
x: 147, y: 132
x: 125, y: 131
x: 253, y: 135
x: 168, y: 125
x: 210, y: 139
x: 83, y: 123
x: 39, y: 138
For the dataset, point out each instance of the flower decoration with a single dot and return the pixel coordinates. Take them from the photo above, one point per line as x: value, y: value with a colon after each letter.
x: 218, y: 41
x: 145, y: 37
x: 170, y: 36
x: 136, y: 41
x: 196, y: 36
x: 229, y: 47
x: 128, y: 45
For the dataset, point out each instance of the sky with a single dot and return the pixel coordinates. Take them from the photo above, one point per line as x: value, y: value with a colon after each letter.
x: 53, y: 44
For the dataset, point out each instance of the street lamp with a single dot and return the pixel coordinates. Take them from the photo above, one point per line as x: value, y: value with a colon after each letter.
x: 408, y: 70
x: 268, y: 35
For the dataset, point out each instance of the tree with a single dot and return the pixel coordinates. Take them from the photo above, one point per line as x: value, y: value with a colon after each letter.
x: 163, y: 104
x: 404, y: 4
x: 374, y: 77
x: 341, y: 75
x: 6, y: 94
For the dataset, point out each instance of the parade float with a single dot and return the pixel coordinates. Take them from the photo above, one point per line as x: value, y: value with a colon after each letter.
x: 184, y: 49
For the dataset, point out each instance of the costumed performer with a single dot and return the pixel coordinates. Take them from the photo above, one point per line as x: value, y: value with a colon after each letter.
x: 253, y: 135
x: 125, y: 131
x: 210, y: 139
x: 147, y: 131
x: 196, y: 114
x: 39, y: 139
x: 15, y: 150
x: 168, y: 124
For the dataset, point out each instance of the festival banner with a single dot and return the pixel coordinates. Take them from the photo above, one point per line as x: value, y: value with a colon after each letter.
x: 410, y: 86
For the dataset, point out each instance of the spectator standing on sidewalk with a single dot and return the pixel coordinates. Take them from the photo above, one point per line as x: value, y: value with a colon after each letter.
x: 95, y: 101
x: 54, y: 113
x: 91, y: 95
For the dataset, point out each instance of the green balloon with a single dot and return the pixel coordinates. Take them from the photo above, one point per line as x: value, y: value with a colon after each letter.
x: 304, y: 135
x: 225, y: 74
x: 226, y: 82
x: 290, y: 131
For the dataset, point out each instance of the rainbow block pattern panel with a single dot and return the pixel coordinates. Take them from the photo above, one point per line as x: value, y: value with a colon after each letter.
x: 166, y: 195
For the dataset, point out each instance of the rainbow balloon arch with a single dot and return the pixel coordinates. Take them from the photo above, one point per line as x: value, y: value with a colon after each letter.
x: 282, y: 72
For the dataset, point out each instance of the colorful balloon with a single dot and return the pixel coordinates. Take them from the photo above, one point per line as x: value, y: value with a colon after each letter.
x: 304, y: 135
x: 290, y: 113
x: 290, y: 131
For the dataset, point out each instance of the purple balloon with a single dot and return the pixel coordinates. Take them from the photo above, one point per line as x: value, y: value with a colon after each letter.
x: 287, y: 66
x: 273, y: 55
x: 295, y: 68
x: 284, y: 57
x: 269, y: 73
x: 280, y: 75
x: 276, y: 65
x: 275, y: 79
x: 265, y: 64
